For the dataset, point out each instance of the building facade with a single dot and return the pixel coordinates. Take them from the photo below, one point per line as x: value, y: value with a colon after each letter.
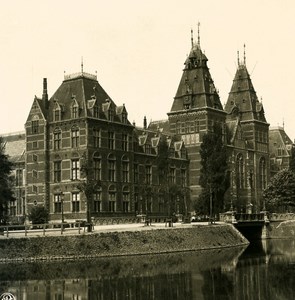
x: 84, y: 158
x: 79, y: 141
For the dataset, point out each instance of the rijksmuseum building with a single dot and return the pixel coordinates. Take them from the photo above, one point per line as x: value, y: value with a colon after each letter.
x: 80, y: 135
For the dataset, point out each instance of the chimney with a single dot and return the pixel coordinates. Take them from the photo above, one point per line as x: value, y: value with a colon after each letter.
x: 144, y: 122
x: 45, y: 95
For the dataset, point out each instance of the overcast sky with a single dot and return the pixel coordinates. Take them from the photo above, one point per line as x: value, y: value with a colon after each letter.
x: 138, y: 49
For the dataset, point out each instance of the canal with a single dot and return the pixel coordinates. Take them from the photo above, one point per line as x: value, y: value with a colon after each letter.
x: 263, y: 270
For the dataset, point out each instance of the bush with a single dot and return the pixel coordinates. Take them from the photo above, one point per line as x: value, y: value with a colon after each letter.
x: 39, y: 215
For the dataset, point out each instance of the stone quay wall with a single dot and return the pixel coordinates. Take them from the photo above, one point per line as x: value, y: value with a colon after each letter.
x: 118, y: 243
x: 281, y: 229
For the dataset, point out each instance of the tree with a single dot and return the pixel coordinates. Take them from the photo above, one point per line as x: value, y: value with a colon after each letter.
x: 38, y: 214
x: 292, y: 160
x: 88, y: 186
x: 6, y: 182
x: 280, y: 192
x: 214, y: 177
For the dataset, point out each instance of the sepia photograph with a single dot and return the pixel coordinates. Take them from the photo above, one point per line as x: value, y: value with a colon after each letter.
x: 147, y: 150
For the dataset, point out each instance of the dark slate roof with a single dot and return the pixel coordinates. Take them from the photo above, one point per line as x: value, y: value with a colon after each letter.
x: 15, y: 146
x: 278, y: 139
x: 161, y: 125
x: 196, y: 86
x: 243, y: 96
x: 83, y: 88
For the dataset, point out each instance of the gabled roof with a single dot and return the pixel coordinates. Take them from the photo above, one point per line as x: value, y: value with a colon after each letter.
x: 161, y: 126
x: 243, y: 96
x: 196, y: 89
x: 278, y: 139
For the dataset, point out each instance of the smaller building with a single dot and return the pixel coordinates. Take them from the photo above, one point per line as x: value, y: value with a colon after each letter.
x: 15, y: 148
x: 280, y: 148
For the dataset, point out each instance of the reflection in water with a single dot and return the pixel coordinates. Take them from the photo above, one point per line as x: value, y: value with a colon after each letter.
x: 263, y: 271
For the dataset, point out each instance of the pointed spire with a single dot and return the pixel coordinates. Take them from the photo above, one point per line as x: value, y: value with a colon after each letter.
x: 245, y: 54
x: 82, y: 64
x: 283, y: 123
x: 192, y: 37
x: 238, y: 58
x: 199, y: 34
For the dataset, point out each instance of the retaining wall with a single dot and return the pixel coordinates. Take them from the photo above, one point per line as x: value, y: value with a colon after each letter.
x: 120, y: 243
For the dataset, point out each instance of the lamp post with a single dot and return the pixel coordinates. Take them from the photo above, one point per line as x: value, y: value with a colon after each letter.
x: 62, y: 206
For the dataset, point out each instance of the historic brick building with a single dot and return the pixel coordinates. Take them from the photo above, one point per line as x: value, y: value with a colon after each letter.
x: 80, y: 135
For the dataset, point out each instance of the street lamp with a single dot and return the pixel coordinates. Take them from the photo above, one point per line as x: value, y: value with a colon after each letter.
x: 62, y: 206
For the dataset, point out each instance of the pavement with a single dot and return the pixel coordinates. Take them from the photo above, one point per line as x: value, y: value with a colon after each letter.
x: 96, y: 229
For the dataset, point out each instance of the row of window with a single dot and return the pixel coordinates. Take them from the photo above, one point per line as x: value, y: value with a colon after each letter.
x: 112, y: 169
x: 75, y: 139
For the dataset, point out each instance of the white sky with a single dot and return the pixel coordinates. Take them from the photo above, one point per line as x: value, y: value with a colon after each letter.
x: 138, y: 49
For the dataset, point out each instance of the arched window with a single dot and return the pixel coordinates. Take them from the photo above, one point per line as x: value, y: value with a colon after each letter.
x: 75, y: 137
x: 240, y: 171
x: 75, y: 109
x: 111, y: 167
x: 97, y: 200
x: 35, y: 124
x: 262, y: 172
x: 57, y: 138
x: 126, y: 198
x: 125, y: 169
x: 97, y: 166
x: 177, y: 125
x: 112, y: 198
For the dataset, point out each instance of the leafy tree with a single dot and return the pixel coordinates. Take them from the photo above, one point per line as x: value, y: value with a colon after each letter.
x: 6, y: 182
x: 88, y: 186
x: 280, y: 192
x: 292, y: 160
x: 214, y: 177
x: 38, y: 214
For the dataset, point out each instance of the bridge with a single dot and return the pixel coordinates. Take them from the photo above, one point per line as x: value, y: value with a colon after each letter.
x: 251, y: 225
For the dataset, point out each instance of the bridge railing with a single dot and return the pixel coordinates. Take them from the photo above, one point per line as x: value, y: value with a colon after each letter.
x: 234, y: 217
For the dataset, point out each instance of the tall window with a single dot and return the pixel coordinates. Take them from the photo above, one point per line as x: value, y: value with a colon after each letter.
x: 75, y: 137
x: 124, y: 118
x: 97, y: 201
x: 96, y: 137
x: 95, y: 111
x: 136, y: 173
x: 75, y: 169
x: 57, y: 203
x: 57, y: 114
x: 148, y: 174
x: 110, y: 115
x: 124, y: 142
x: 57, y: 139
x: 125, y: 169
x: 111, y: 168
x: 35, y: 126
x: 161, y: 203
x: 172, y: 174
x: 112, y: 199
x: 57, y: 171
x: 111, y: 140
x: 75, y: 202
x: 19, y: 177
x: 240, y: 171
x: 75, y: 111
x: 97, y: 166
x: 183, y: 177
x: 262, y: 172
x: 125, y: 199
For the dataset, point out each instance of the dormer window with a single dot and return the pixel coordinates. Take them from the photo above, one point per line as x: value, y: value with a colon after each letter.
x: 110, y: 115
x: 124, y: 118
x: 95, y: 111
x: 75, y: 108
x: 56, y: 112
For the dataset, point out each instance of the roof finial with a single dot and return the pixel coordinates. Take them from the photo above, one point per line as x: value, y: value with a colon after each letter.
x: 82, y: 64
x: 192, y: 37
x: 283, y: 123
x: 238, y: 58
x: 199, y: 34
x: 245, y: 54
